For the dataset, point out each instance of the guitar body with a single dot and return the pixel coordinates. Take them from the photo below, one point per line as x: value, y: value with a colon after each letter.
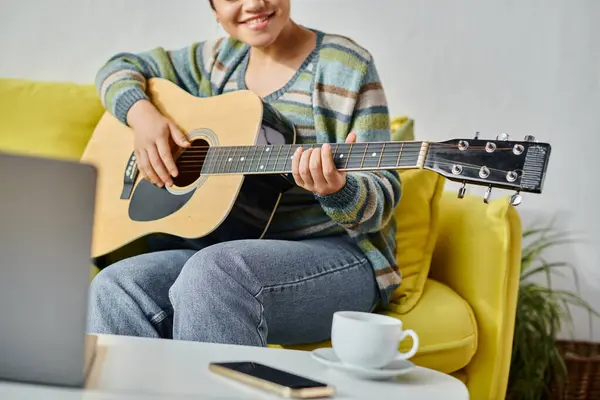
x: 225, y: 207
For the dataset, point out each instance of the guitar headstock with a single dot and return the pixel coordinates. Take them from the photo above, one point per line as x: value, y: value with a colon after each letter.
x: 500, y: 163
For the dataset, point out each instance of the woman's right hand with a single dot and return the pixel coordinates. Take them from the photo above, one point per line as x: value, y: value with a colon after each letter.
x: 153, y: 136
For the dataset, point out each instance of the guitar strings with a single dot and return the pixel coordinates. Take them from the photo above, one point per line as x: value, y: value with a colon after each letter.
x: 406, y: 149
x: 285, y: 168
x: 406, y: 155
x: 196, y: 171
x: 419, y: 145
x: 217, y: 162
x: 237, y: 158
x: 389, y: 143
x: 438, y: 160
x: 312, y: 145
x: 191, y: 155
x: 247, y: 162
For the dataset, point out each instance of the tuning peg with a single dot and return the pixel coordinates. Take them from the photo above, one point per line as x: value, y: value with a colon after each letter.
x: 503, y: 136
x: 515, y: 199
x: 488, y: 193
x: 462, y: 191
x: 530, y: 138
x: 476, y: 135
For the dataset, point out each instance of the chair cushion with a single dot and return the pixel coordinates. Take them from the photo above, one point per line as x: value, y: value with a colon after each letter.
x: 52, y: 119
x: 417, y: 223
x: 445, y: 324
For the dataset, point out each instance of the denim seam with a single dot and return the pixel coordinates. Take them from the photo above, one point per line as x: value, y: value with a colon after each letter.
x: 261, y: 320
x: 262, y: 309
x: 317, y: 275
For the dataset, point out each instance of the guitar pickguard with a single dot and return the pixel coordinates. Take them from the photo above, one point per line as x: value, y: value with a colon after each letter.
x: 151, y: 203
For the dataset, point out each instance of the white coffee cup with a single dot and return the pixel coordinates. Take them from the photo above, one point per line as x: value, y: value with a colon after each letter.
x: 369, y: 340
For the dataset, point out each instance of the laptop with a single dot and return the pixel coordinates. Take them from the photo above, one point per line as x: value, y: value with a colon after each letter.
x: 46, y: 221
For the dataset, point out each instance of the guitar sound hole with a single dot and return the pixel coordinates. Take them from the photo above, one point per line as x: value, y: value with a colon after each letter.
x: 190, y: 162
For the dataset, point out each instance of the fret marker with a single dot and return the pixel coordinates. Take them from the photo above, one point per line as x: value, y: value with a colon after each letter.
x: 374, y: 154
x: 262, y: 167
x: 242, y: 159
x: 267, y: 149
x: 229, y: 159
x: 341, y: 156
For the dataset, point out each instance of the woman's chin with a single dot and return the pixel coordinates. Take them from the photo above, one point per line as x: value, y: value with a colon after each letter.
x: 260, y: 42
x: 256, y: 39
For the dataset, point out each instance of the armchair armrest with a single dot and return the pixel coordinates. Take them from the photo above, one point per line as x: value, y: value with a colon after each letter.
x: 478, y: 255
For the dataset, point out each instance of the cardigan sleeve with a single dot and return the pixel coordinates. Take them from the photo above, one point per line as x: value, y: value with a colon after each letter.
x: 121, y: 81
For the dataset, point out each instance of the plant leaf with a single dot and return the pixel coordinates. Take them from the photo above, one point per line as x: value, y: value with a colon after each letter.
x: 544, y: 268
x: 542, y: 311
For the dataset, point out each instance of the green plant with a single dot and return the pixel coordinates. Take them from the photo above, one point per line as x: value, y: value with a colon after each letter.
x: 541, y: 313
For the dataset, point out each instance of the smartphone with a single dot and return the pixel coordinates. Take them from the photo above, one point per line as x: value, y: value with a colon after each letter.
x: 273, y: 380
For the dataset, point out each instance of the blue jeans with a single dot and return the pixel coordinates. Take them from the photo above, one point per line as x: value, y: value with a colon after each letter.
x: 248, y: 292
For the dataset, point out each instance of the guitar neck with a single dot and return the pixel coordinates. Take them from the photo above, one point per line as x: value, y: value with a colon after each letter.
x: 277, y: 159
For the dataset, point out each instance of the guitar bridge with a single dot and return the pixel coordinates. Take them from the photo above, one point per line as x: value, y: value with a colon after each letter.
x: 129, y: 177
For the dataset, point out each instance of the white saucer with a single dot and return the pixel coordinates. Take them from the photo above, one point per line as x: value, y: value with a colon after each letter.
x: 395, y: 368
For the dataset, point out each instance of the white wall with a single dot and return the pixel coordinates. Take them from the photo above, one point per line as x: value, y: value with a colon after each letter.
x: 515, y: 66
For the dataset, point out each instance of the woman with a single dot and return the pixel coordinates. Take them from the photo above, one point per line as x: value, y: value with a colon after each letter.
x: 331, y: 245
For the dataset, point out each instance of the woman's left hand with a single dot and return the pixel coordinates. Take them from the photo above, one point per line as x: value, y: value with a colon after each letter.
x: 315, y: 170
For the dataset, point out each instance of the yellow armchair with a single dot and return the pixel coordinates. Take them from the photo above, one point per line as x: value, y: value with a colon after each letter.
x: 478, y: 255
x: 459, y: 258
x: 465, y: 313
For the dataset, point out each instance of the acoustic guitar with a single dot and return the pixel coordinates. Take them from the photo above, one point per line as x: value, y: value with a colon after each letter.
x: 240, y: 163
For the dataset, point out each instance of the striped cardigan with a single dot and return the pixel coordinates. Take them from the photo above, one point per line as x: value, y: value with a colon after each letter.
x: 336, y: 91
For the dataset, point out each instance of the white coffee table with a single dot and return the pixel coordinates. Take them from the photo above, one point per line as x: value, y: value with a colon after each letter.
x: 129, y: 368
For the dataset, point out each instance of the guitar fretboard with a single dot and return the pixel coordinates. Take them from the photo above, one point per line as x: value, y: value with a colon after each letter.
x: 272, y: 159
